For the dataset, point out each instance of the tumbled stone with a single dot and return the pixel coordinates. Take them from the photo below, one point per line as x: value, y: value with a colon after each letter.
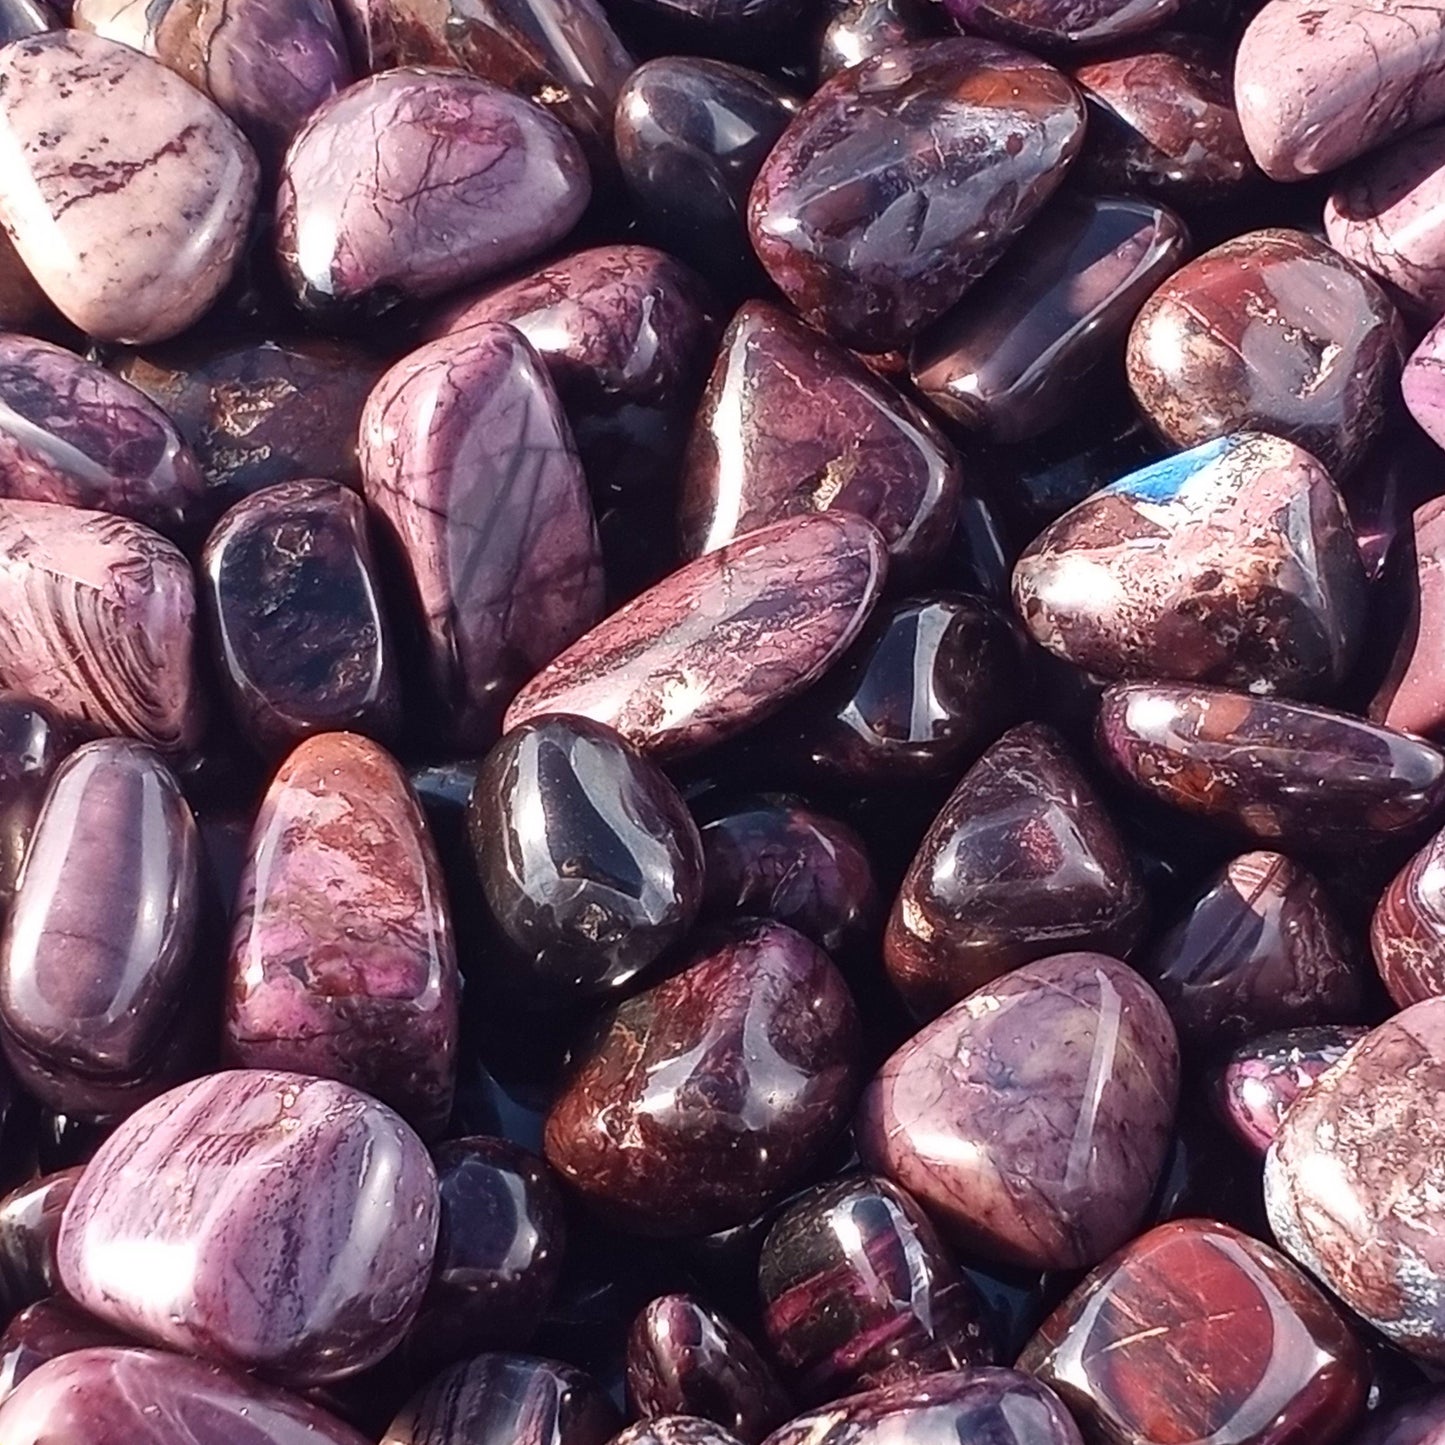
x: 722, y: 642
x: 944, y: 150
x: 857, y: 30
x: 467, y: 458
x: 703, y: 1098
x: 126, y: 192
x: 1049, y: 25
x: 791, y: 424
x: 45, y: 1331
x: 1032, y: 1118
x: 1412, y: 695
x: 342, y: 961
x: 414, y: 182
x: 1198, y: 1332
x: 1022, y: 862
x: 1407, y: 933
x: 225, y: 1177
x: 1283, y: 773
x: 1423, y: 384
x: 676, y: 1430
x: 32, y: 743
x: 29, y: 1230
x: 1417, y: 1420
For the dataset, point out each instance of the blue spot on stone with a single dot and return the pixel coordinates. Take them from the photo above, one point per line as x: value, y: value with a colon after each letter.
x: 1162, y: 481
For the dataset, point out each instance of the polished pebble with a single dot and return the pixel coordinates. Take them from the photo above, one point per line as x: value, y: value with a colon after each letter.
x: 29, y: 1231
x: 1423, y: 384
x: 33, y: 741
x: 1407, y: 933
x: 1412, y: 695
x: 42, y: 1332
x: 1049, y: 25
x: 676, y: 1430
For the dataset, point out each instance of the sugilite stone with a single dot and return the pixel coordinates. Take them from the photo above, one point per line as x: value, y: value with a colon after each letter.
x: 721, y: 643
x: 1232, y: 563
x: 413, y: 182
x: 1412, y: 695
x: 501, y: 1399
x: 1281, y: 772
x: 1023, y: 349
x: 1022, y: 862
x: 857, y: 30
x: 1048, y: 25
x: 1250, y: 1349
x: 296, y: 616
x: 676, y: 1430
x: 686, y: 1359
x: 120, y: 1396
x: 590, y: 861
x: 342, y: 962
x: 466, y: 456
x: 42, y: 1332
x: 1261, y: 1079
x: 1032, y: 1119
x: 1417, y: 1420
x: 29, y: 1231
x: 71, y: 432
x: 1271, y: 331
x: 226, y: 1177
x: 126, y: 192
x: 944, y: 151
x: 32, y: 742
x: 859, y: 1291
x: 1407, y: 933
x: 702, y: 1099
x: 1320, y: 84
x: 1423, y: 384
x: 791, y: 424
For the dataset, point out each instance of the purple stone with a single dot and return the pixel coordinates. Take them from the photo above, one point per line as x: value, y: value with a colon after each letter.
x: 904, y: 178
x: 414, y: 182
x: 45, y: 1331
x: 32, y: 743
x: 1412, y: 696
x: 681, y: 1430
x: 1033, y: 1118
x: 1423, y: 384
x: 466, y: 456
x: 857, y: 30
x: 1418, y: 1420
x: 297, y: 1218
x: 29, y: 1230
x: 1063, y: 24
x: 1407, y: 934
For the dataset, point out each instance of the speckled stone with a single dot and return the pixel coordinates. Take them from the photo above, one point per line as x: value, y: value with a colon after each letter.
x: 1049, y: 25
x: 678, y: 1430
x: 1412, y: 695
x: 1418, y: 1420
x: 33, y: 740
x: 1407, y: 933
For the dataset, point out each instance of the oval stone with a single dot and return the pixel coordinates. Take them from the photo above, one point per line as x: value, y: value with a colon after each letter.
x: 1423, y: 384
x: 1412, y: 695
x: 1033, y: 1117
x: 904, y: 178
x: 32, y: 743
x: 224, y: 1178
x: 127, y: 193
x: 1051, y: 25
x: 1407, y: 933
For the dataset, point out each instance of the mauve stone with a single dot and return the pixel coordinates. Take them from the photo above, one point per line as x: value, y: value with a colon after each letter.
x: 29, y: 1230
x: 32, y: 743
x: 904, y: 178
x: 414, y: 182
x: 1283, y: 773
x: 297, y: 1217
x: 1021, y: 862
x: 701, y: 1100
x: 1412, y: 695
x: 1319, y: 84
x: 1033, y: 1118
x: 1070, y: 25
x: 1417, y: 1420
x: 124, y: 1396
x: 1423, y: 384
x: 857, y: 30
x: 21, y: 18
x: 722, y: 642
x: 1271, y: 331
x: 858, y: 1291
x: 791, y: 424
x: 466, y: 456
x: 342, y: 962
x: 1198, y: 1332
x: 680, y: 1430
x: 127, y: 193
x: 1407, y: 934
x: 42, y: 1332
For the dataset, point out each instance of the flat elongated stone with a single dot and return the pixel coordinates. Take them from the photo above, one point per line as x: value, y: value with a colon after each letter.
x: 127, y: 193
x: 791, y: 424
x: 1032, y: 1119
x: 1407, y: 933
x: 414, y: 182
x: 904, y: 178
x: 342, y: 961
x: 1233, y: 563
x: 97, y: 618
x: 466, y: 456
x: 1250, y: 1349
x: 1412, y: 695
x: 1022, y: 862
x: 1051, y: 25
x: 42, y: 1332
x: 32, y: 743
x: 731, y: 1076
x: 722, y: 642
x: 1271, y: 331
x: 226, y: 1177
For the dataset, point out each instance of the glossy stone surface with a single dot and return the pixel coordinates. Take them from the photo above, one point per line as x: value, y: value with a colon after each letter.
x: 1251, y: 1349
x: 1407, y: 933
x: 1023, y: 350
x: 1022, y: 862
x: 1423, y: 384
x: 1271, y: 331
x: 342, y: 962
x: 1412, y: 695
x: 1280, y: 772
x: 467, y: 458
x: 676, y: 1430
x: 32, y: 743
x: 296, y: 617
x: 858, y: 1291
x: 126, y: 192
x: 791, y: 424
x: 29, y: 1230
x: 944, y: 151
x: 1319, y: 84
x: 590, y: 861
x: 723, y: 641
x: 685, y: 1359
x: 97, y: 619
x: 1418, y: 1420
x: 703, y: 1098
x: 124, y: 1396
x: 1032, y: 1119
x: 227, y: 1175
x: 42, y: 1332
x: 1047, y: 25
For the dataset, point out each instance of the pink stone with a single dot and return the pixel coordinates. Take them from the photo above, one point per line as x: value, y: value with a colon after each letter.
x: 1423, y: 384
x: 1412, y: 696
